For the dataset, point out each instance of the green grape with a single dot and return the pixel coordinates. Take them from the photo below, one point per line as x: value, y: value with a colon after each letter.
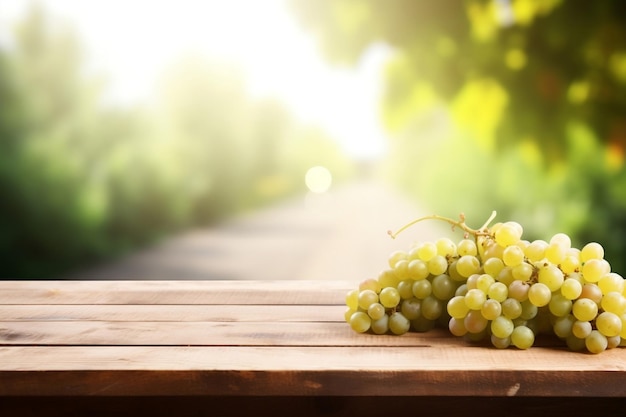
x: 613, y: 342
x: 519, y: 290
x: 467, y: 247
x: 609, y: 324
x: 536, y: 251
x: 563, y: 326
x: 370, y: 284
x: 443, y: 287
x: 445, y: 247
x: 555, y: 253
x: 457, y: 327
x: 398, y: 324
x: 367, y: 298
x: 484, y: 282
x: 522, y: 272
x: 360, y: 322
x: 614, y: 302
x: 512, y: 255
x: 498, y: 291
x: 352, y: 299
x: 437, y: 265
x: 581, y: 329
x: 418, y: 269
x: 389, y: 297
x: 500, y: 342
x: 432, y: 307
x: 570, y: 264
x: 376, y: 311
x: 592, y: 292
x: 454, y: 273
x: 475, y: 322
x: 591, y: 250
x: 502, y: 327
x: 426, y: 251
x: 593, y: 270
x: 585, y: 309
x: 571, y: 288
x: 348, y: 313
x: 506, y: 275
x: 508, y: 234
x: 522, y: 337
x: 551, y: 276
x: 539, y: 294
x: 561, y: 239
x: 411, y: 308
x: 457, y: 308
x: 559, y: 306
x: 401, y: 269
x: 596, y: 342
x: 491, y: 309
x: 511, y: 308
x: 396, y: 256
x: 405, y: 289
x: 467, y: 265
x: 493, y: 250
x: 493, y: 266
x: 574, y: 343
x: 461, y: 290
x: 611, y: 282
x: 471, y: 281
x: 529, y: 310
x: 422, y: 289
x: 475, y: 298
x: 380, y: 326
x: 388, y: 278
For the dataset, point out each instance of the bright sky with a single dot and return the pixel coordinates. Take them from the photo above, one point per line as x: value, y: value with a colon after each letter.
x: 132, y: 41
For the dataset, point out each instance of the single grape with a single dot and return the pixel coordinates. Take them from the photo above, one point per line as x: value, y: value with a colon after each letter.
x: 376, y: 311
x: 559, y: 306
x: 522, y: 272
x: 506, y: 276
x: 591, y: 250
x: 493, y: 266
x: 585, y: 309
x: 401, y: 269
x: 511, y: 308
x: 539, y: 294
x: 502, y: 327
x: 367, y: 298
x: 405, y: 289
x: 437, y: 265
x: 596, y: 342
x: 396, y: 256
x: 457, y: 327
x: 563, y: 326
x: 352, y: 299
x: 484, y: 282
x: 571, y: 288
x: 348, y: 312
x: 491, y: 309
x: 518, y: 290
x: 551, y: 276
x: 411, y: 308
x: 561, y: 239
x: 555, y: 252
x: 432, y: 307
x: 593, y: 270
x: 529, y: 310
x: 467, y: 247
x: 380, y: 326
x: 360, y: 322
x: 457, y: 308
x: 611, y: 282
x: 522, y: 337
x: 443, y: 287
x: 475, y: 322
x: 513, y: 255
x: 508, y: 234
x: 475, y: 298
x: 398, y: 324
x: 536, y: 251
x: 500, y: 342
x: 446, y: 247
x: 613, y: 342
x: 498, y: 291
x: 389, y: 297
x: 426, y: 251
x: 570, y: 264
x: 422, y: 289
x: 467, y: 265
x: 592, y: 292
x: 609, y: 324
x: 581, y: 329
x: 418, y: 269
x: 614, y: 302
x: 370, y: 284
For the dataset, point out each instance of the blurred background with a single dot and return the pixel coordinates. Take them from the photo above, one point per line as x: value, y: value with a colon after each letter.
x: 126, y: 123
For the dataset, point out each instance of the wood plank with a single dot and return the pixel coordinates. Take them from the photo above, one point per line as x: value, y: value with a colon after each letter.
x: 173, y: 313
x: 174, y: 292
x: 88, y: 333
x: 398, y: 371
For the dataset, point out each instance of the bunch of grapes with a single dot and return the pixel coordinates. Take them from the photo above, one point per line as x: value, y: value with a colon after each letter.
x: 494, y: 285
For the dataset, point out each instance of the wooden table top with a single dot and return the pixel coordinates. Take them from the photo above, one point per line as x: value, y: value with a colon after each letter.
x: 270, y: 338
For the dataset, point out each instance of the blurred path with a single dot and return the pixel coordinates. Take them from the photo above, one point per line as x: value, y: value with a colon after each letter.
x: 340, y: 235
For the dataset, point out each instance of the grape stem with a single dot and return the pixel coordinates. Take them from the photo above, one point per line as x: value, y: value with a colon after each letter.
x: 482, y: 231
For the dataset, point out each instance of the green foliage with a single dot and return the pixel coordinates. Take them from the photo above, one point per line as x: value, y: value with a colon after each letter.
x: 509, y: 105
x: 81, y: 181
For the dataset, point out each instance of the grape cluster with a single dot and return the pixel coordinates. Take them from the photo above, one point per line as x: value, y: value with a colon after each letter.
x: 494, y: 285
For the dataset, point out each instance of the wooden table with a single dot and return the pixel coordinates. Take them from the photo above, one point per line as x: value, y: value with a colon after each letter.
x: 227, y: 348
